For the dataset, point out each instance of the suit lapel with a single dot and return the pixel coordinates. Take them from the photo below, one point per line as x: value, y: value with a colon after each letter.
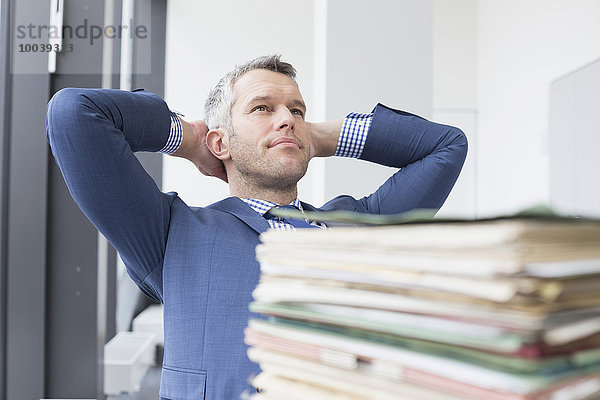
x: 236, y: 207
x: 308, y: 207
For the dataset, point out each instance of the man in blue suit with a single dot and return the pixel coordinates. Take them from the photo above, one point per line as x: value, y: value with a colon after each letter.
x: 200, y: 262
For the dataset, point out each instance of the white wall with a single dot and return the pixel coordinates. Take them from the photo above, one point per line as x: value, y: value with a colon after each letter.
x: 348, y: 57
x: 455, y: 54
x: 574, y: 142
x: 462, y: 200
x: 491, y: 65
x: 205, y: 39
x: 522, y: 47
x: 495, y: 60
x: 455, y: 92
x: 380, y: 53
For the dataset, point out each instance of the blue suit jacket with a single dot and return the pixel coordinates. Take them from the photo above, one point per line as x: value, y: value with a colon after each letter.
x: 200, y: 262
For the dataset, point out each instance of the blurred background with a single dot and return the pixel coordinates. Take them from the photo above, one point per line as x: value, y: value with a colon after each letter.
x: 520, y: 78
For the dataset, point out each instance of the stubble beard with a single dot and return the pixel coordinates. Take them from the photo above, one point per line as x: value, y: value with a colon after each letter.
x: 260, y: 172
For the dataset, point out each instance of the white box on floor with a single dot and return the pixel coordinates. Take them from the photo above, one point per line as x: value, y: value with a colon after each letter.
x: 151, y: 320
x: 127, y: 357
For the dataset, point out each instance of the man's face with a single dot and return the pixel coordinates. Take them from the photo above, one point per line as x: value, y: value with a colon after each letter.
x: 269, y: 145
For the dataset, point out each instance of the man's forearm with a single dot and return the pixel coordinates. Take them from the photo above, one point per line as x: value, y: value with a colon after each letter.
x: 325, y: 136
x: 430, y: 156
x: 398, y: 139
x: 194, y: 148
x: 191, y: 141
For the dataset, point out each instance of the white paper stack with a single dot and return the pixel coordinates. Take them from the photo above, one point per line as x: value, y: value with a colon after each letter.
x: 501, y: 309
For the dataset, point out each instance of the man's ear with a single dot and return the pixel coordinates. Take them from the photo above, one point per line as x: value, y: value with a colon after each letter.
x: 217, y: 143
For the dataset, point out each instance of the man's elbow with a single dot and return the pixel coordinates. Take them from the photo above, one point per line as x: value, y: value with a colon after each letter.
x: 459, y: 143
x: 454, y: 149
x: 66, y: 101
x: 62, y: 110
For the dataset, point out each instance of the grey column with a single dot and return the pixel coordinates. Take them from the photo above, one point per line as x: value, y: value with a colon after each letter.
x: 80, y: 288
x: 4, y: 108
x: 26, y: 204
x: 49, y: 330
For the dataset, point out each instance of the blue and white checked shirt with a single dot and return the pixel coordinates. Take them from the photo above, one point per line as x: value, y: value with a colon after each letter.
x: 279, y: 224
x: 175, y: 135
x: 353, y: 135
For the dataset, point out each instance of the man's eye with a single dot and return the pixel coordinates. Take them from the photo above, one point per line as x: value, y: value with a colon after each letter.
x: 260, y: 108
x: 297, y: 112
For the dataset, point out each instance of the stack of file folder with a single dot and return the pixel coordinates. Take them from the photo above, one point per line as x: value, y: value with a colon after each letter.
x: 499, y: 310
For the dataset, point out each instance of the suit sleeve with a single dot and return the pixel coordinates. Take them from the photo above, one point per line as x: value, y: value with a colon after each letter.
x: 430, y: 157
x: 93, y: 134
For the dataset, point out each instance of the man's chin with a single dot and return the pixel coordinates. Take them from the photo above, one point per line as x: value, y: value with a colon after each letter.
x: 290, y: 173
x: 290, y: 178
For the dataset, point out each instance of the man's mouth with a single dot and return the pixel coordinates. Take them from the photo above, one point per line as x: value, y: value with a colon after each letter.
x: 285, y: 142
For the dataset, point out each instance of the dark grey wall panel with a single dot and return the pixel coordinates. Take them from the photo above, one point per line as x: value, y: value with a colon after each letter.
x: 26, y: 239
x: 73, y: 356
x: 155, y: 80
x: 50, y: 336
x: 4, y: 153
x: 74, y: 336
x: 26, y: 214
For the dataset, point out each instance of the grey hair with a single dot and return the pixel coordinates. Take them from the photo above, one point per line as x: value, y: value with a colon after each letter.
x: 217, y: 109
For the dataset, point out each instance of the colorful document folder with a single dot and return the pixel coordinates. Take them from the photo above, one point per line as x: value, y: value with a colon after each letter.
x: 505, y: 308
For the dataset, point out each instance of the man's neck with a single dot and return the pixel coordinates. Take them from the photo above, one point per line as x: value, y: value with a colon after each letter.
x: 275, y: 196
x: 246, y: 187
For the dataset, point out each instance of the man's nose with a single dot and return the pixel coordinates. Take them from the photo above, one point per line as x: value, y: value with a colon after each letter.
x: 284, y: 119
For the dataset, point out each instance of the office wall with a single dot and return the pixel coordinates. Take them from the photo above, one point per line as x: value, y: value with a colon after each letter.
x: 522, y: 47
x: 455, y: 54
x: 485, y: 66
x: 574, y: 142
x: 381, y: 53
x: 455, y: 92
x: 335, y: 45
x: 204, y: 40
x: 494, y: 62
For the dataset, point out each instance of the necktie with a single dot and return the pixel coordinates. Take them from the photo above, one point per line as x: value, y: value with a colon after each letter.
x: 296, y: 223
